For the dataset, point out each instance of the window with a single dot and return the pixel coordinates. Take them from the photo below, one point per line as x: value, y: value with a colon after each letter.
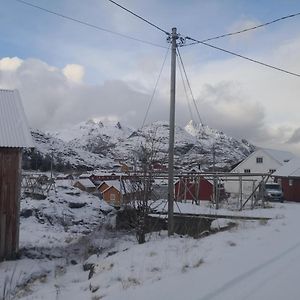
x: 259, y: 160
x: 112, y: 197
x: 247, y: 171
x: 290, y: 182
x: 272, y: 171
x: 286, y: 160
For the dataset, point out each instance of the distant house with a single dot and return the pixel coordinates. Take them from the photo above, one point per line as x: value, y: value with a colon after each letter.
x: 263, y: 161
x: 118, y: 192
x: 188, y: 189
x: 85, y: 185
x: 65, y: 177
x: 85, y: 176
x: 14, y: 135
x: 289, y: 178
x: 260, y: 161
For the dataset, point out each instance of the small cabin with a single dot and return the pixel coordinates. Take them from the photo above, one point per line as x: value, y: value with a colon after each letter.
x: 85, y: 185
x: 14, y: 136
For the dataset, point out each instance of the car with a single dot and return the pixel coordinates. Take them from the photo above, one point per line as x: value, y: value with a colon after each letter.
x: 273, y: 192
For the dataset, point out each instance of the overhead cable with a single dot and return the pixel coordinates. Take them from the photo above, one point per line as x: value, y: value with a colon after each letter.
x: 189, y: 86
x: 155, y: 87
x: 241, y: 56
x: 250, y: 28
x: 185, y: 90
x: 140, y: 17
x: 89, y: 24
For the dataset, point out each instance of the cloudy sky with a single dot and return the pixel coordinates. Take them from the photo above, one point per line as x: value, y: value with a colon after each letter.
x: 67, y: 73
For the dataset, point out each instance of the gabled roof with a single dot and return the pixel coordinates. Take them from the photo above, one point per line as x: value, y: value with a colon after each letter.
x: 290, y: 169
x: 14, y: 129
x: 86, y: 183
x: 279, y: 155
x: 124, y: 187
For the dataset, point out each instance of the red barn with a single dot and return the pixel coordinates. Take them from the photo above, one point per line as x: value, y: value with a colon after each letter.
x: 14, y: 135
x: 289, y: 178
x: 190, y: 189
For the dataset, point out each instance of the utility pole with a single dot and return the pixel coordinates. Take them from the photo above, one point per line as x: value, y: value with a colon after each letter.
x: 173, y: 38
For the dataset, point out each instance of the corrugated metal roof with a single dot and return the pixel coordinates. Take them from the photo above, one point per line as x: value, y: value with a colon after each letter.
x: 290, y: 169
x: 279, y: 155
x: 14, y: 129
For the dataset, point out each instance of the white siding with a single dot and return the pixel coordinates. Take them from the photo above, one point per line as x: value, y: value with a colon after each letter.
x: 271, y: 161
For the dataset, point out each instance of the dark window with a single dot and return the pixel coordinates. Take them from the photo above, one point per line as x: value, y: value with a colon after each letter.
x: 272, y: 171
x: 247, y: 171
x: 259, y: 160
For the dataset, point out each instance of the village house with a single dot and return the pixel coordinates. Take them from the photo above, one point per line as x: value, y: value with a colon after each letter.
x: 14, y: 135
x: 288, y: 176
x: 118, y: 192
x: 85, y: 185
x: 264, y: 161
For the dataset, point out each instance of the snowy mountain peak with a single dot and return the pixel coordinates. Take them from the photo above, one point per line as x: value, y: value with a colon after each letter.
x: 192, y: 128
x: 101, y: 143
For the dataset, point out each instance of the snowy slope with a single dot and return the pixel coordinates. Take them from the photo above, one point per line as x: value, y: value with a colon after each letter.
x: 254, y: 260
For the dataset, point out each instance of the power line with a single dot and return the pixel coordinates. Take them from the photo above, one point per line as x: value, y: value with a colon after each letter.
x: 185, y: 90
x: 189, y: 86
x: 250, y: 28
x: 138, y: 16
x: 242, y: 56
x: 89, y: 24
x: 155, y: 87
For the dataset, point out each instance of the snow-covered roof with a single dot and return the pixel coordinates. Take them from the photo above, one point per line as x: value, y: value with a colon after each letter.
x: 119, y: 186
x: 279, y: 155
x: 85, y: 175
x: 115, y: 183
x: 290, y: 169
x: 86, y: 183
x: 14, y: 129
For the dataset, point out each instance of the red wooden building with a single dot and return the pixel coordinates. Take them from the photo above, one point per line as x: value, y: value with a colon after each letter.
x: 193, y: 189
x: 289, y: 178
x: 14, y: 135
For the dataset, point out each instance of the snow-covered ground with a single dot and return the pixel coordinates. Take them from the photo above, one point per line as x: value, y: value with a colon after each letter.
x: 253, y: 260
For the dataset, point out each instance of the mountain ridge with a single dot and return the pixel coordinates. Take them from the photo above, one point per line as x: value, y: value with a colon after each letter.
x: 95, y: 145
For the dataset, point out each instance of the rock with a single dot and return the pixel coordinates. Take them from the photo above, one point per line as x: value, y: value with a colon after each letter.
x: 77, y: 204
x: 26, y: 213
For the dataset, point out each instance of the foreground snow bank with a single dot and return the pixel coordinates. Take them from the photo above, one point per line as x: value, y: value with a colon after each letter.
x: 253, y: 260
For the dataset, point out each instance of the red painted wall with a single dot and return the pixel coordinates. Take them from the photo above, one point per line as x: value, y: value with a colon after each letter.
x: 291, y: 192
x: 186, y: 189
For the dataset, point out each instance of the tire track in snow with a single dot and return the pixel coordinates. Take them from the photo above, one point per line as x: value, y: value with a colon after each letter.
x: 240, y: 278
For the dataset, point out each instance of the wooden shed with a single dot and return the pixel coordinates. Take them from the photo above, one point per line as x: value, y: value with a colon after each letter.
x: 14, y: 136
x: 112, y: 196
x: 85, y: 185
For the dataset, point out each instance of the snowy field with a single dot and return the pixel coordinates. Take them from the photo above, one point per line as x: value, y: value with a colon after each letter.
x: 74, y: 253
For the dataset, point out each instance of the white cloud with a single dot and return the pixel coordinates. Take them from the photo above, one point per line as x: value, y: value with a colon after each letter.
x: 10, y: 64
x: 242, y: 24
x: 74, y: 72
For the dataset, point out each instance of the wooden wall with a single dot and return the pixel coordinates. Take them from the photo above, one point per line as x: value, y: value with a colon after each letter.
x: 10, y: 186
x: 291, y: 190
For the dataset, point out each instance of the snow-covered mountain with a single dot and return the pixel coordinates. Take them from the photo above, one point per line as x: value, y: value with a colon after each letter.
x: 100, y: 145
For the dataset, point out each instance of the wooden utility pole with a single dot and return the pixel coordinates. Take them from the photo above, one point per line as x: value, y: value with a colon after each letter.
x: 174, y: 37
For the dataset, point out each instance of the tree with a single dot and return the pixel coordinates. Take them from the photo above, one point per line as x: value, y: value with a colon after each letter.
x: 141, y: 194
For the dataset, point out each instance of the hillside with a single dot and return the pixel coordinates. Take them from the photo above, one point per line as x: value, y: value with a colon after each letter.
x: 91, y: 145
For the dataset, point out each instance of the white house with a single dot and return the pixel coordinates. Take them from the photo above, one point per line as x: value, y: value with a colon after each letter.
x: 260, y: 161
